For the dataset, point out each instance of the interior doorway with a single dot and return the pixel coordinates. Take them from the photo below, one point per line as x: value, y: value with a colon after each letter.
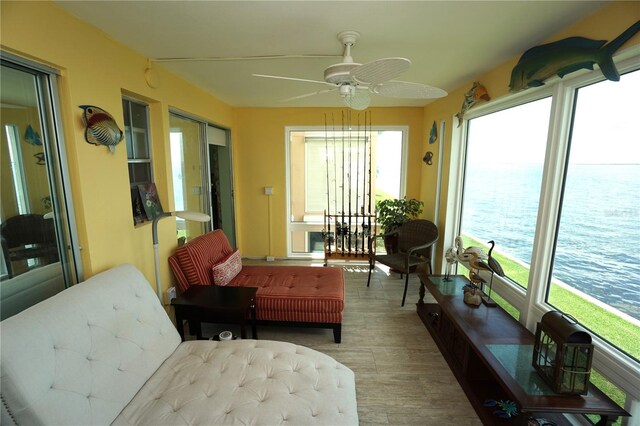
x: 221, y: 182
x: 202, y: 175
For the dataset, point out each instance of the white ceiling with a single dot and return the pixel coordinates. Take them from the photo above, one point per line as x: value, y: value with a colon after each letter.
x: 450, y: 43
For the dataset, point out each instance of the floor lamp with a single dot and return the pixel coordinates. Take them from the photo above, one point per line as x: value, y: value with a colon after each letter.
x: 187, y: 215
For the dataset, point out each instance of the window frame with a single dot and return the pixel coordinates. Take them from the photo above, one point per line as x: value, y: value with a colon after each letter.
x: 148, y: 161
x: 292, y: 226
x: 612, y: 363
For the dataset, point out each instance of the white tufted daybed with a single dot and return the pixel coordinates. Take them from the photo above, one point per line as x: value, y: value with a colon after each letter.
x: 105, y: 352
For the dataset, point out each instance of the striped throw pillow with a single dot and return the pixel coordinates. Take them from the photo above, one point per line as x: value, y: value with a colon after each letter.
x: 223, y: 272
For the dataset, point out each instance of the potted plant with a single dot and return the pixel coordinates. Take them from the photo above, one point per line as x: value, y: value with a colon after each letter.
x: 394, y: 212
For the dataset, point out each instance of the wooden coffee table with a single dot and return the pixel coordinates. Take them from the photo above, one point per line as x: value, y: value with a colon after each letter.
x: 216, y: 304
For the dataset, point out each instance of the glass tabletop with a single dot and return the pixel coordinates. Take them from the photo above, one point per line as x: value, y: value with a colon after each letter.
x: 516, y: 359
x: 453, y: 287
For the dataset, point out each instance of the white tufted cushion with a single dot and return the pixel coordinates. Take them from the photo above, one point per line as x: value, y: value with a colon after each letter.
x: 105, y: 351
x: 248, y: 382
x: 80, y: 356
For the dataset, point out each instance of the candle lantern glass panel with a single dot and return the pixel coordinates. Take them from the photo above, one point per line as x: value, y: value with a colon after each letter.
x: 562, y: 353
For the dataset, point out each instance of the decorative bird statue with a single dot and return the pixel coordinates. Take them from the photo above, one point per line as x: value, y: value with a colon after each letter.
x: 490, y: 265
x: 471, y: 256
x: 101, y: 128
x: 471, y: 252
x: 493, y: 263
x: 451, y: 258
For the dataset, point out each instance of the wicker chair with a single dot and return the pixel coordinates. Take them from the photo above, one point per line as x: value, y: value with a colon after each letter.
x: 414, y: 246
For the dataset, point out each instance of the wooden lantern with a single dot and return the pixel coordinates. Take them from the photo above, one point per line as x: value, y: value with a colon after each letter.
x: 562, y: 353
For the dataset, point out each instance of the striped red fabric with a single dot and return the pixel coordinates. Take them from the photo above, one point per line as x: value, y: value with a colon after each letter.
x: 295, y: 293
x: 285, y: 293
x: 195, y: 259
x: 183, y: 283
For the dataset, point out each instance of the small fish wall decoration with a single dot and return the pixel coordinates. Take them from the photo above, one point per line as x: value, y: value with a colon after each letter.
x: 32, y: 137
x: 477, y: 93
x: 565, y: 56
x: 101, y: 128
x: 433, y: 134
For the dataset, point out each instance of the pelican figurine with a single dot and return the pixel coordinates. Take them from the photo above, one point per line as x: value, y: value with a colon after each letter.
x: 471, y: 252
x: 473, y: 257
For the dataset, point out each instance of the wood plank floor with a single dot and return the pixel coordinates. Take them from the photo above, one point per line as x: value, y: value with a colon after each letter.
x: 401, y: 377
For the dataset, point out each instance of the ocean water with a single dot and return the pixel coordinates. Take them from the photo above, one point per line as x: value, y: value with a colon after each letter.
x: 598, y: 244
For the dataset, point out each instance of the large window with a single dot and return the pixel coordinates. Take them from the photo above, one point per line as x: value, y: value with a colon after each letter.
x: 319, y: 161
x: 553, y: 177
x: 503, y: 174
x: 596, y: 267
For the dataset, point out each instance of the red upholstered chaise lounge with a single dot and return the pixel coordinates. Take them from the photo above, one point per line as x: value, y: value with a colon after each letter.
x: 293, y: 295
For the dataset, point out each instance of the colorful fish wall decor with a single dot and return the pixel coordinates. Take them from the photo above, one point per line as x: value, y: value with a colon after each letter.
x: 100, y: 127
x: 565, y: 56
x: 32, y: 137
x: 477, y: 93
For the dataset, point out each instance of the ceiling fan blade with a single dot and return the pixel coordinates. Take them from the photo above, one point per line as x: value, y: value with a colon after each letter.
x: 406, y: 90
x: 381, y: 70
x: 306, y: 95
x: 279, y: 77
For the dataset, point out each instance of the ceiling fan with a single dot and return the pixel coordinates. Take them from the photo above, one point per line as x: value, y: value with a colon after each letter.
x: 355, y: 82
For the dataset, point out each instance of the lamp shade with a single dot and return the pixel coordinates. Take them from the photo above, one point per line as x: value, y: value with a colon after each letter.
x: 195, y: 216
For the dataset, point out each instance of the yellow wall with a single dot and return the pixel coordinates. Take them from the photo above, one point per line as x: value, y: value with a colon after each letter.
x: 260, y: 161
x: 97, y: 70
x: 606, y: 24
x: 35, y: 174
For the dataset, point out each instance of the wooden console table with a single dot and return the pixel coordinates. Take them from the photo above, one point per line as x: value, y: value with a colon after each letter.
x: 490, y: 354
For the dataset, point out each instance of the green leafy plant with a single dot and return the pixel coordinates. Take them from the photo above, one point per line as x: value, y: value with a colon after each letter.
x: 394, y: 212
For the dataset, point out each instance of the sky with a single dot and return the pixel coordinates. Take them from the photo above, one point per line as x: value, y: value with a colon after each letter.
x: 606, y: 128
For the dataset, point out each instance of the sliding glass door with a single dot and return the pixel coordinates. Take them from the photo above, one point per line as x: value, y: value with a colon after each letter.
x: 38, y: 230
x: 201, y: 173
x: 187, y: 173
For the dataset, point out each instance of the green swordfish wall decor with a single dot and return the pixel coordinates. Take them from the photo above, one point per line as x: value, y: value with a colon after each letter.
x: 565, y: 56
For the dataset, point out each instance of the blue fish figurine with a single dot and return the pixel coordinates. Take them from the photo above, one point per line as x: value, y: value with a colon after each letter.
x: 433, y: 135
x: 31, y: 136
x: 101, y: 128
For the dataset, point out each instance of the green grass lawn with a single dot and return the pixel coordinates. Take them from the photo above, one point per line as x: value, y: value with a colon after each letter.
x: 621, y: 333
x: 617, y: 330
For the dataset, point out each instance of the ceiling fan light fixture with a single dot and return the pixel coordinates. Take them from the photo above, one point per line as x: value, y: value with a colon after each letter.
x: 356, y: 99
